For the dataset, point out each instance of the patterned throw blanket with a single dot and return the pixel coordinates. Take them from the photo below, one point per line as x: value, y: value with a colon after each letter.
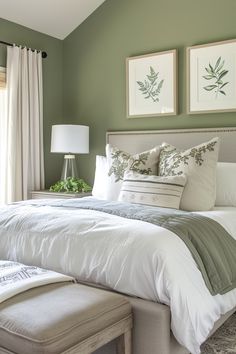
x: 213, y: 249
x: 16, y: 278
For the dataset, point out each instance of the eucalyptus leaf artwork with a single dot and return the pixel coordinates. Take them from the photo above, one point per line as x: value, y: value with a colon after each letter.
x: 151, y: 84
x: 211, y: 77
x: 151, y: 88
x: 215, y: 75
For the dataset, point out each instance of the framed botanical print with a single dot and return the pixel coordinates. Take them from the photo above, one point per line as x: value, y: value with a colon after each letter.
x: 211, y: 77
x: 151, y: 85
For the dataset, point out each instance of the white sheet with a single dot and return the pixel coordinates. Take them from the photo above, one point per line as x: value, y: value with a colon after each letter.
x: 130, y: 256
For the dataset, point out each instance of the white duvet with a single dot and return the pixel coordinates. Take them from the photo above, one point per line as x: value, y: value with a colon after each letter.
x: 130, y: 256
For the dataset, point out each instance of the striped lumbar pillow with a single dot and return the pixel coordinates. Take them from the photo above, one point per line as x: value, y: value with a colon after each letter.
x: 157, y: 191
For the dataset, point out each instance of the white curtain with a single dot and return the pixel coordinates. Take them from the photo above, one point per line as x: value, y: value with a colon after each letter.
x: 24, y: 124
x: 3, y: 143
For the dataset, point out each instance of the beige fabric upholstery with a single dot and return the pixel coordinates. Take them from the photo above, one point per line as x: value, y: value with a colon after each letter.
x: 151, y: 331
x: 53, y: 318
x: 151, y: 325
x: 4, y: 351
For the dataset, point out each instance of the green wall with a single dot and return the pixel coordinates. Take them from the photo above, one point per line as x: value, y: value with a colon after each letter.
x: 52, y: 83
x: 94, y: 62
x: 84, y: 75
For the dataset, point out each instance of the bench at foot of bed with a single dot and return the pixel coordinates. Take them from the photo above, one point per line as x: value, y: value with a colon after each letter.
x: 64, y: 318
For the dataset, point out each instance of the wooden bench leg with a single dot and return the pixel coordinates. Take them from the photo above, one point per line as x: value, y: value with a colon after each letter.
x: 124, y: 343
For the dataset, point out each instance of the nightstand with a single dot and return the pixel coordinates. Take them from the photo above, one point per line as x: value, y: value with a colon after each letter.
x: 45, y: 194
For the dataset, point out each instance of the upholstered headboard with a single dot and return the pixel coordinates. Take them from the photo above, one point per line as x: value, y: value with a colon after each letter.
x: 137, y: 141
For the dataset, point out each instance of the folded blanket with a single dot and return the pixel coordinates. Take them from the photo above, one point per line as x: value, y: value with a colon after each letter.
x: 16, y: 278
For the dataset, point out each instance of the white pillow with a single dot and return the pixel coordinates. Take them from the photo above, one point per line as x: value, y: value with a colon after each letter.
x: 199, y: 165
x: 100, y: 178
x: 226, y: 184
x: 156, y: 191
x: 119, y: 161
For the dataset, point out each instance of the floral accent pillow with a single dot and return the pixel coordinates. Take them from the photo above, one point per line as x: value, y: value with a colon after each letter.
x: 199, y: 165
x: 120, y: 161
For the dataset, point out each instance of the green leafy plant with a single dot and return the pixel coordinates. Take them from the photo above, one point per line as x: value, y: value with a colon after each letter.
x: 150, y: 87
x: 216, y: 73
x: 71, y: 184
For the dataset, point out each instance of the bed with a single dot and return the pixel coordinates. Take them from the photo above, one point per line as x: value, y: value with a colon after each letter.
x: 152, y: 329
x: 136, y: 141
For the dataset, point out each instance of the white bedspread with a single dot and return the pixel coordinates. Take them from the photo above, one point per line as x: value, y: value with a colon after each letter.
x: 130, y: 256
x: 15, y: 278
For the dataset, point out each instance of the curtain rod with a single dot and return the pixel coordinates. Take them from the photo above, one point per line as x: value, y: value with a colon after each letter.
x: 44, y: 54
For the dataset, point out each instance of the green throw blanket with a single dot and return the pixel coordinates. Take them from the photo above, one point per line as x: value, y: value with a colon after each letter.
x: 213, y: 249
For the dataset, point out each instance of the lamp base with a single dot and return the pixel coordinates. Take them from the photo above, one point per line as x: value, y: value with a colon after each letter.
x: 69, y: 167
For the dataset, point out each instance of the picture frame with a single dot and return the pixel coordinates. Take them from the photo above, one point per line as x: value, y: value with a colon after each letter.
x: 211, y: 77
x: 151, y: 85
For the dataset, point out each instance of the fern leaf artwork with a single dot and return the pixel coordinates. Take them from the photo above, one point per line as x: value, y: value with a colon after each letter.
x: 151, y: 86
x: 215, y: 75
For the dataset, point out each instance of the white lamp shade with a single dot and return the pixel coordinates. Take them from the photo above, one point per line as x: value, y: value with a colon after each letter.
x: 70, y: 138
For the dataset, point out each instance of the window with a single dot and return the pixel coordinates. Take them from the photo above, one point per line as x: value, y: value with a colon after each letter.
x: 3, y: 141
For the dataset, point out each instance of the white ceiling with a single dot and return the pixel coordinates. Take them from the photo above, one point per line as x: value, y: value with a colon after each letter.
x: 57, y: 18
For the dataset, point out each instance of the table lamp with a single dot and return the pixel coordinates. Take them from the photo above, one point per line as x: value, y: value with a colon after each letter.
x: 70, y: 139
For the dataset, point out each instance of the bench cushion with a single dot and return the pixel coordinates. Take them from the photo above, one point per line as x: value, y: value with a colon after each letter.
x: 53, y: 318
